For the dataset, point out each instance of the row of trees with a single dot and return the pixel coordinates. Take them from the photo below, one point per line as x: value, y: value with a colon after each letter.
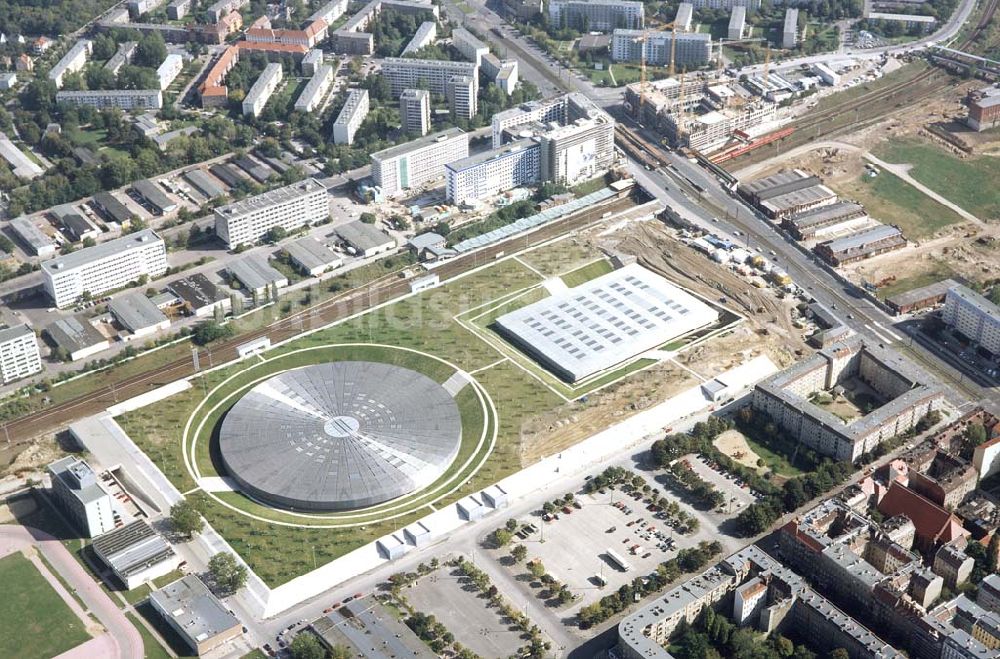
x: 713, y: 636
x: 701, y: 490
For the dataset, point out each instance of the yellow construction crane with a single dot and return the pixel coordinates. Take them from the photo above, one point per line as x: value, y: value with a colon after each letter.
x: 767, y: 63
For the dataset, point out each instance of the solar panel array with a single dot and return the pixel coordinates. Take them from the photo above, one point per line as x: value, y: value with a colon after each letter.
x: 605, y: 321
x: 340, y: 435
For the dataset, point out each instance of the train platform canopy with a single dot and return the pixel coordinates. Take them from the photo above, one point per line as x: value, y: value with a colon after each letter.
x: 605, y: 322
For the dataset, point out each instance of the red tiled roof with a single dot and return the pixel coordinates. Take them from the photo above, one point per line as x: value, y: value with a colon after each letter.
x: 274, y: 47
x: 933, y: 523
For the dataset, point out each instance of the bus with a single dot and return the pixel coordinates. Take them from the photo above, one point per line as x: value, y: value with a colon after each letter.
x: 617, y: 560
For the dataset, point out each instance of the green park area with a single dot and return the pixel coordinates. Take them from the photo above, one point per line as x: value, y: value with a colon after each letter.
x: 34, y: 620
x: 970, y: 182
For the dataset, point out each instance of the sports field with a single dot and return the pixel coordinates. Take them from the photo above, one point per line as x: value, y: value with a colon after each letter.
x: 34, y: 620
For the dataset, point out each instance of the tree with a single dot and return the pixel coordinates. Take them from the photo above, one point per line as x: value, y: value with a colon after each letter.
x: 519, y: 552
x: 151, y: 51
x: 227, y: 572
x: 536, y: 569
x: 502, y: 537
x: 210, y: 331
x: 511, y: 525
x: 185, y: 518
x: 341, y: 652
x: 839, y: 653
x: 276, y: 234
x: 368, y: 218
x: 307, y: 646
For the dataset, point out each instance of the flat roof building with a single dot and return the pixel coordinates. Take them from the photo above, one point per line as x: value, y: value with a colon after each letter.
x: 21, y: 165
x: 123, y: 99
x: 196, y: 614
x: 605, y: 322
x: 984, y: 108
x: 311, y: 60
x: 154, y: 196
x: 80, y: 495
x: 71, y: 62
x: 469, y: 45
x: 416, y: 163
x: 256, y: 276
x: 737, y: 23
x: 199, y: 296
x: 169, y: 69
x: 136, y: 554
x: 790, y: 31
x: 262, y: 89
x: 491, y: 172
x: 19, y: 355
x: 312, y: 257
x: 351, y: 116
x: 105, y: 267
x: 34, y: 239
x: 974, y: 316
x: 682, y: 21
x: 316, y: 89
x: 178, y: 9
x: 137, y: 314
x: 424, y: 36
x: 462, y: 94
x: 248, y: 221
x: 596, y: 15
x: 693, y: 48
x: 77, y: 337
x: 411, y: 73
x: 365, y: 239
x: 415, y: 111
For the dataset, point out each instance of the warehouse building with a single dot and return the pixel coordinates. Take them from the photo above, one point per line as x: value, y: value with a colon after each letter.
x: 204, y: 184
x: 123, y: 99
x: 351, y: 116
x: 316, y: 89
x: 790, y: 30
x: 79, y: 494
x: 105, y: 267
x: 916, y: 299
x: 365, y: 239
x: 816, y: 223
x: 35, y: 240
x: 71, y: 62
x: 256, y: 275
x: 974, y: 316
x: 19, y: 355
x: 491, y: 172
x: 258, y: 172
x: 416, y: 163
x: 787, y: 193
x: 862, y: 245
x: 434, y: 75
x: 984, y: 108
x: 415, y: 111
x: 195, y: 614
x: 199, y: 296
x: 227, y: 173
x: 737, y: 24
x: 151, y: 193
x: 469, y: 45
x: 112, y: 209
x: 312, y: 257
x: 291, y: 207
x: 138, y: 315
x: 77, y: 337
x: 785, y: 398
x: 692, y: 49
x: 74, y: 225
x: 136, y: 554
x: 605, y: 322
x: 262, y: 89
x: 424, y: 36
x: 596, y: 15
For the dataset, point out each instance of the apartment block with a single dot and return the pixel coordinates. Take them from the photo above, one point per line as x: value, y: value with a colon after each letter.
x: 330, y: 11
x: 751, y: 5
x: 462, y: 97
x: 123, y: 99
x: 790, y: 31
x: 421, y: 161
x: 178, y: 9
x: 311, y: 61
x: 974, y: 316
x: 424, y: 36
x: 597, y: 15
x: 415, y: 111
x: 489, y: 173
x: 72, y: 61
x: 316, y: 89
x: 351, y: 116
x: 291, y: 207
x: 737, y: 23
x: 469, y: 45
x: 168, y: 71
x: 261, y: 91
x: 105, y: 267
x: 216, y: 11
x: 19, y: 356
x: 406, y: 73
x: 693, y: 48
x: 79, y: 494
x: 685, y: 13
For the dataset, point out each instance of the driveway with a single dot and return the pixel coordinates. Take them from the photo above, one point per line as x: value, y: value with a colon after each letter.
x: 125, y: 641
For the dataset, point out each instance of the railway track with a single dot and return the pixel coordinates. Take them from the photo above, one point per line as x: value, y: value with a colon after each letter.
x: 384, y: 289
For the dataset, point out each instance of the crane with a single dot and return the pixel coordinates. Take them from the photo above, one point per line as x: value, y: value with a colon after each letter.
x: 644, y: 40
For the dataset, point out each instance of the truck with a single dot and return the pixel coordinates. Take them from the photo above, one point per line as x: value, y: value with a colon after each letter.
x: 617, y: 560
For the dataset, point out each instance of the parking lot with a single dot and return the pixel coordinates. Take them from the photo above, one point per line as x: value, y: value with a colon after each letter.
x: 459, y: 607
x: 738, y: 495
x: 610, y: 521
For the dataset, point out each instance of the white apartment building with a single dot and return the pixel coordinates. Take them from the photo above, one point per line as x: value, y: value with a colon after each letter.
x: 692, y: 47
x: 751, y: 5
x: 79, y: 494
x: 737, y: 24
x: 425, y: 36
x: 261, y: 91
x: 168, y: 71
x: 316, y: 89
x: 221, y: 8
x: 19, y: 356
x: 418, y: 162
x: 682, y: 21
x: 330, y: 12
x: 503, y: 73
x: 597, y: 15
x: 104, y: 267
x: 406, y: 73
x: 790, y: 31
x: 578, y: 151
x: 469, y: 45
x: 123, y: 99
x: 415, y: 111
x: 974, y: 316
x: 178, y: 9
x: 291, y: 207
x: 312, y: 60
x: 489, y: 173
x: 72, y: 61
x: 541, y: 111
x: 462, y: 98
x: 351, y: 116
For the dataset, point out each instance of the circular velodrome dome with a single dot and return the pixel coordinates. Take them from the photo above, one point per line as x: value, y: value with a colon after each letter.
x: 340, y: 435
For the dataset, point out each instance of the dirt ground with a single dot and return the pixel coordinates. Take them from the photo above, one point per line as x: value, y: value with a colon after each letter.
x: 31, y: 457
x: 733, y: 444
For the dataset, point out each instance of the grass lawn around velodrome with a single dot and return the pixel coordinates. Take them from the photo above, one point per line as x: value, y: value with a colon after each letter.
x: 34, y: 620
